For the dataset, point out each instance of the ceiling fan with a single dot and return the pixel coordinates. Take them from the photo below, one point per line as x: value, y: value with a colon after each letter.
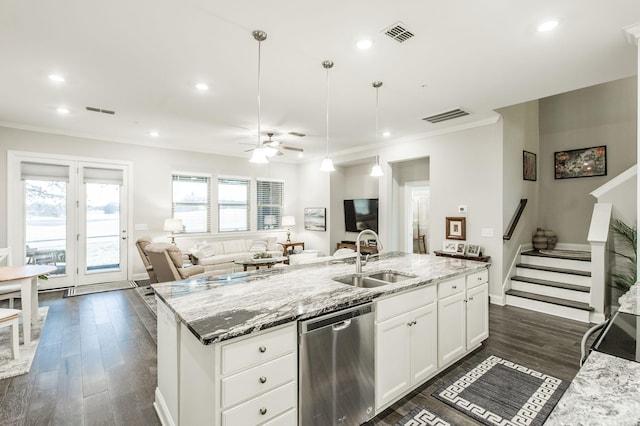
x: 273, y: 148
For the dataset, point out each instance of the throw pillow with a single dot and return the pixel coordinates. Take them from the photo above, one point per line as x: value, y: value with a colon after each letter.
x: 258, y: 246
x: 344, y: 252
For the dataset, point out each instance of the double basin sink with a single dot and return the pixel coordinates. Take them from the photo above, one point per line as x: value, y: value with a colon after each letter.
x: 374, y: 279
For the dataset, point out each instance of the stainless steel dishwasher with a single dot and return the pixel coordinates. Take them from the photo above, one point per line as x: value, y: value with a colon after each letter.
x: 337, y: 368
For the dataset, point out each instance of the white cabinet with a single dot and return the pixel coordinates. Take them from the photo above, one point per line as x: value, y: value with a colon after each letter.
x: 451, y: 328
x: 477, y: 315
x: 166, y: 403
x: 405, y: 343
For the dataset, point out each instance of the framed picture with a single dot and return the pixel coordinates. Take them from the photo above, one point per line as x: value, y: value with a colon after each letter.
x: 315, y: 219
x: 449, y: 246
x: 584, y: 162
x: 529, y: 166
x: 473, y: 250
x: 460, y: 248
x: 455, y: 228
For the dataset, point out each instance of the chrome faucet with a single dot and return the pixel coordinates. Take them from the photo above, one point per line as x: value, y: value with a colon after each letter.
x: 359, y: 263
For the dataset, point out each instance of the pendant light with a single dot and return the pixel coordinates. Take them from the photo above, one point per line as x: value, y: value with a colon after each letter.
x: 258, y: 155
x: 327, y: 163
x: 376, y: 170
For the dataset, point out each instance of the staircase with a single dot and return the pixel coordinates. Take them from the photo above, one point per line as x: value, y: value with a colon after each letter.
x: 556, y: 282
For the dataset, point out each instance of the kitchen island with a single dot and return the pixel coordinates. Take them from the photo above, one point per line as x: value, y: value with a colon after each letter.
x: 209, y: 328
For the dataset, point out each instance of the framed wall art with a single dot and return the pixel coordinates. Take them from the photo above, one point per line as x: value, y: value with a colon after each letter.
x: 473, y: 250
x: 449, y: 246
x: 455, y: 228
x: 460, y: 248
x: 584, y: 162
x: 315, y: 219
x: 529, y: 166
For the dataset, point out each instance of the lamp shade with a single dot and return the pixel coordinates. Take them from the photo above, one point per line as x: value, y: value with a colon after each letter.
x: 172, y: 225
x: 288, y: 220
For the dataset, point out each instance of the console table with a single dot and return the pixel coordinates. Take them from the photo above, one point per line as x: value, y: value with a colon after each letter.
x: 462, y: 256
x: 363, y: 248
x: 285, y: 246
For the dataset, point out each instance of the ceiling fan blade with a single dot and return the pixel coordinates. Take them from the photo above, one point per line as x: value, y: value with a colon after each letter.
x: 291, y: 148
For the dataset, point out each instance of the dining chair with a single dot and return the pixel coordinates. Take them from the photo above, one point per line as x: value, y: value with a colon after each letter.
x: 12, y: 291
x: 9, y: 318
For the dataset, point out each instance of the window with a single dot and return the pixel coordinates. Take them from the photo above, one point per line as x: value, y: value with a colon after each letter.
x: 269, y: 195
x: 191, y: 202
x: 233, y: 204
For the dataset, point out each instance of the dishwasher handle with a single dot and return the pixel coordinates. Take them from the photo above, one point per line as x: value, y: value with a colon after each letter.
x: 341, y: 325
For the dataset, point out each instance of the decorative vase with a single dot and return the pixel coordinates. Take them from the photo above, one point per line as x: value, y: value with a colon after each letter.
x: 539, y: 240
x: 552, y: 239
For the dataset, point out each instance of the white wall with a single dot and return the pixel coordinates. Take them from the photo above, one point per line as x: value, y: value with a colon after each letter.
x: 314, y: 189
x: 151, y: 184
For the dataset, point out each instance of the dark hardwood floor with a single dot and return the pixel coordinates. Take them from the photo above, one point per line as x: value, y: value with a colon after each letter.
x: 96, y: 362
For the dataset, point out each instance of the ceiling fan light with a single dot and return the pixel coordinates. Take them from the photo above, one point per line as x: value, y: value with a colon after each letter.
x: 327, y: 165
x: 376, y: 170
x: 269, y: 151
x: 258, y: 156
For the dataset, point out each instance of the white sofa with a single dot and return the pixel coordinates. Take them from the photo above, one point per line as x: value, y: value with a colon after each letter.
x: 218, y: 256
x: 310, y: 256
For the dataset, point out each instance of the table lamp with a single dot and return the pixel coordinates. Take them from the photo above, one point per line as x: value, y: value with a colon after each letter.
x: 172, y: 225
x: 288, y: 221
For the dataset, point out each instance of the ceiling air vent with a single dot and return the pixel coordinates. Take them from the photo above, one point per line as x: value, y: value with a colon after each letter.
x: 105, y: 111
x: 448, y: 115
x: 398, y: 32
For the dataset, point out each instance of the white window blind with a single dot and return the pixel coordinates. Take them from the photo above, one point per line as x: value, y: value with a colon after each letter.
x: 269, y: 196
x: 190, y: 202
x: 233, y: 204
x: 42, y: 171
x: 109, y: 176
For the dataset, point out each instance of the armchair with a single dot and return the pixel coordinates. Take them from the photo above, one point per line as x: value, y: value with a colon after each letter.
x: 167, y: 262
x: 141, y: 244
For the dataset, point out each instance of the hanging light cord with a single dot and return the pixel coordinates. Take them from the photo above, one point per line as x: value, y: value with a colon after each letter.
x: 377, y: 142
x: 327, y: 111
x: 259, y: 44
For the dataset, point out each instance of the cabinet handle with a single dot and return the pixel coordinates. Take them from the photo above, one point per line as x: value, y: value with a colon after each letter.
x: 479, y: 278
x: 454, y: 287
x: 263, y: 411
x: 412, y: 323
x: 263, y: 379
x: 471, y: 298
x: 262, y: 349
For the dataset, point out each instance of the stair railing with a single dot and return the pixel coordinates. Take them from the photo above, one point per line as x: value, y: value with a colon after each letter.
x: 598, y: 238
x: 514, y: 220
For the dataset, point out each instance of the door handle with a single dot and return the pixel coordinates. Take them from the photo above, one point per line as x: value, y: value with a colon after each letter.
x: 341, y: 325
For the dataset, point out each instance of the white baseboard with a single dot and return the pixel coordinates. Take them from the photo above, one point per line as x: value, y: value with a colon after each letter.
x: 570, y: 246
x: 162, y: 410
x: 497, y: 299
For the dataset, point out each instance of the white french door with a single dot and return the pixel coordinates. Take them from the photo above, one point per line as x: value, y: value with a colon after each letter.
x: 71, y: 213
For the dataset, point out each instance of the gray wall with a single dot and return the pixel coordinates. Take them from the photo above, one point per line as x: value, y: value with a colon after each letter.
x: 605, y: 114
x: 520, y: 134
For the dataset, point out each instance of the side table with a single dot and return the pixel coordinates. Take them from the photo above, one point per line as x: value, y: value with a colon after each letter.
x: 286, y: 244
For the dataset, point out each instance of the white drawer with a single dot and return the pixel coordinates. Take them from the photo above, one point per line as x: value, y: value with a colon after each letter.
x: 404, y: 302
x: 449, y: 287
x: 260, y: 379
x: 263, y: 408
x: 289, y: 418
x: 477, y: 278
x: 257, y: 349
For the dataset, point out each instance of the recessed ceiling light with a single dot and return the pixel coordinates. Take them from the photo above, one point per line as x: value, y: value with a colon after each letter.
x: 364, y: 44
x: 386, y: 134
x: 62, y: 110
x: 548, y: 25
x: 57, y: 78
x: 154, y: 133
x: 300, y: 155
x: 202, y: 87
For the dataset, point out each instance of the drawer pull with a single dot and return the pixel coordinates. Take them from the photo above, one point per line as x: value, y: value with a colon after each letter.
x: 479, y: 278
x: 471, y: 298
x: 262, y: 349
x: 263, y: 411
x: 263, y: 379
x: 412, y: 323
x: 454, y: 287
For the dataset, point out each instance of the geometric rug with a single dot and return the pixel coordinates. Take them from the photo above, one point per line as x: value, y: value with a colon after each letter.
x: 420, y: 416
x: 501, y: 392
x: 99, y: 288
x: 10, y: 367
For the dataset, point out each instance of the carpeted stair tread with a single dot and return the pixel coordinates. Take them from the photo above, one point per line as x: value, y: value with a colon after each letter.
x: 566, y: 254
x: 551, y: 283
x: 548, y: 299
x: 553, y: 269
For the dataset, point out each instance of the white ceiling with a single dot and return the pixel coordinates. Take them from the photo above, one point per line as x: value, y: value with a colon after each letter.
x: 142, y: 58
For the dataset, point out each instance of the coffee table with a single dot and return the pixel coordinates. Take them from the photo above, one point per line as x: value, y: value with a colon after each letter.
x: 257, y: 263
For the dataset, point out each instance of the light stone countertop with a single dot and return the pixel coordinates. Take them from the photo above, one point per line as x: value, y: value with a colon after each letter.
x: 604, y: 392
x: 227, y: 306
x: 630, y: 301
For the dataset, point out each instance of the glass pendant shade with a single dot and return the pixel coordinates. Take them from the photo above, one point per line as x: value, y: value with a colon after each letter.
x: 327, y: 165
x: 258, y: 156
x: 376, y: 170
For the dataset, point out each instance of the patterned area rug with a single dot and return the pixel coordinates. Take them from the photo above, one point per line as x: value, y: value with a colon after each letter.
x: 10, y: 367
x: 420, y: 416
x: 500, y: 392
x: 99, y: 288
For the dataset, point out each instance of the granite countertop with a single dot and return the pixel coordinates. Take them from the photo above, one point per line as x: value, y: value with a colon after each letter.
x: 223, y: 307
x: 605, y: 390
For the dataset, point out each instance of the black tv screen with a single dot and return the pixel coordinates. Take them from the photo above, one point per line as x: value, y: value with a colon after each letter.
x: 361, y: 214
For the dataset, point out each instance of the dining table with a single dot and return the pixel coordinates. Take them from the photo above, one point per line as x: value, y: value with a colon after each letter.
x: 27, y: 277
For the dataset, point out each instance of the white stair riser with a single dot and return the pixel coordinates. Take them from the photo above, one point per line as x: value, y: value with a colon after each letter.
x: 554, y: 276
x: 548, y: 308
x: 563, y: 293
x: 578, y: 265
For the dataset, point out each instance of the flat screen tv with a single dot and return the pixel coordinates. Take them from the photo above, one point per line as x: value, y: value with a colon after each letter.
x: 361, y: 214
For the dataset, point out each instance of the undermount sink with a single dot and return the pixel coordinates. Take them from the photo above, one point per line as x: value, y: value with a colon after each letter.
x: 375, y: 279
